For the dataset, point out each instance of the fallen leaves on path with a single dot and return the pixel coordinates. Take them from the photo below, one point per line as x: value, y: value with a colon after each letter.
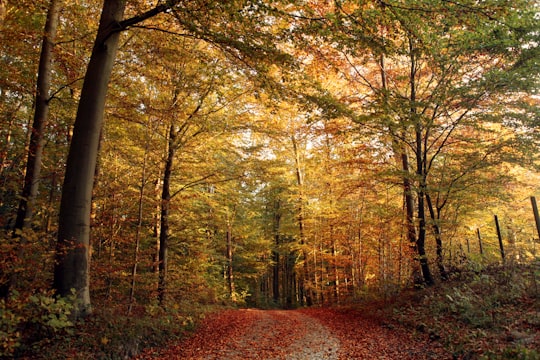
x: 364, y: 335
x: 296, y: 335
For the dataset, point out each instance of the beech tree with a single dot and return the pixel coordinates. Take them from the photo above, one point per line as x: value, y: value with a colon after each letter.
x: 71, y: 271
x: 417, y: 84
x: 35, y: 147
x: 261, y: 152
x: 43, y: 97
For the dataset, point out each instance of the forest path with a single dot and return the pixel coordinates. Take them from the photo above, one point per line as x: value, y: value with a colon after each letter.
x: 309, y: 334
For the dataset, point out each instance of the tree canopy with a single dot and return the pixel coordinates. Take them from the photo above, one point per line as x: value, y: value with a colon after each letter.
x: 264, y: 153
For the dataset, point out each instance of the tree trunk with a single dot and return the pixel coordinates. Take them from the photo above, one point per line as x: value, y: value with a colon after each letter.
x: 156, y: 228
x: 72, y: 251
x: 275, y: 253
x: 229, y: 256
x: 35, y: 147
x: 409, y: 217
x: 335, y: 269
x: 407, y: 188
x: 420, y: 170
x: 421, y: 241
x: 304, y: 275
x: 165, y: 206
x: 438, y: 238
x: 41, y: 113
x: 140, y: 215
x: 409, y: 201
x: 290, y: 280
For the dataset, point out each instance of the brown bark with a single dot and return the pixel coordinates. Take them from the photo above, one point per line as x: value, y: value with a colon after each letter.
x: 420, y: 171
x: 41, y: 113
x: 72, y: 250
x: 407, y: 187
x: 164, y: 224
x: 138, y: 230
x: 304, y: 276
x: 275, y: 253
x: 335, y: 269
x: 229, y: 256
x: 35, y: 147
x: 438, y: 238
x: 409, y: 201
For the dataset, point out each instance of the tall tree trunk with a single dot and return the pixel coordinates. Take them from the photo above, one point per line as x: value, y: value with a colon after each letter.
x: 409, y: 201
x: 335, y: 269
x: 290, y: 281
x: 407, y: 188
x: 305, y: 293
x: 275, y: 252
x: 37, y: 132
x: 140, y: 214
x: 420, y: 170
x: 41, y: 113
x: 421, y: 241
x: 72, y: 251
x: 9, y: 120
x: 156, y: 228
x: 438, y: 238
x: 229, y: 256
x: 35, y: 147
x: 47, y: 222
x: 165, y: 206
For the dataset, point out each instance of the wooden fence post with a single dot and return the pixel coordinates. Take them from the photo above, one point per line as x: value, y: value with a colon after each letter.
x: 480, y: 241
x: 500, y: 237
x: 536, y: 216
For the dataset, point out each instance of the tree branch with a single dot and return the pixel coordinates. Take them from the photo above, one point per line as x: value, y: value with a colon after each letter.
x: 127, y: 23
x: 53, y: 95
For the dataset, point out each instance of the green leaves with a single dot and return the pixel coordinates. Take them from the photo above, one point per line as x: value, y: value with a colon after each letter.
x: 52, y: 313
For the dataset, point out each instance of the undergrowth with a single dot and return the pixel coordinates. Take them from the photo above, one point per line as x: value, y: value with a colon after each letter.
x: 492, y: 313
x: 40, y: 328
x: 487, y: 314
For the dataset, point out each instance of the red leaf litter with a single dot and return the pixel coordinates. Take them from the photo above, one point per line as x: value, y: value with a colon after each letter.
x: 298, y: 335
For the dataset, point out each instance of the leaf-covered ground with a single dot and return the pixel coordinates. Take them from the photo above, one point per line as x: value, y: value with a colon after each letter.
x: 299, y: 334
x: 489, y: 313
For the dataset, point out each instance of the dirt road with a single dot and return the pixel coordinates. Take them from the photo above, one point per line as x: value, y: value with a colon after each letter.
x: 298, y: 335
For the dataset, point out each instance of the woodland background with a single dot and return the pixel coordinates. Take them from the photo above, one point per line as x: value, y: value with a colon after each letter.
x: 268, y: 154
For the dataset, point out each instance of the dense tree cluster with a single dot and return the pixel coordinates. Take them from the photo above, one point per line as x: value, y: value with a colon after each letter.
x: 269, y: 153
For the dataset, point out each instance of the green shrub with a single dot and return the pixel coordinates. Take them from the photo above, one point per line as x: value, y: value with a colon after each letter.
x: 470, y: 308
x: 9, y: 330
x: 514, y: 353
x: 51, y: 315
x: 29, y: 321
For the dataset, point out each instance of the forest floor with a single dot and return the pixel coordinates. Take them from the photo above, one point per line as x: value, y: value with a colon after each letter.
x: 490, y: 314
x: 299, y: 335
x: 487, y: 314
